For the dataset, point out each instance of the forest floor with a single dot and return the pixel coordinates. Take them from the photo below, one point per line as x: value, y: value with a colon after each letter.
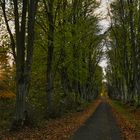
x: 128, y: 119
x: 55, y: 129
x: 99, y: 121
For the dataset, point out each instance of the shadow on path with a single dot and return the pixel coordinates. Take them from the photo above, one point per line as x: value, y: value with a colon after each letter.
x: 100, y: 126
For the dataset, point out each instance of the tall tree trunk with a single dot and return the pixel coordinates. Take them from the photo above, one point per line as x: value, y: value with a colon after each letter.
x: 22, y: 47
x: 49, y: 71
x: 133, y: 48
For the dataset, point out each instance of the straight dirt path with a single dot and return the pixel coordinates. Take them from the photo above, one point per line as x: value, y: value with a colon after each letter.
x: 100, y: 126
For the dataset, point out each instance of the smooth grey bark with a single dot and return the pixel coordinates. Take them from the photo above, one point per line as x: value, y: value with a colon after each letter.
x: 24, y: 58
x: 22, y: 48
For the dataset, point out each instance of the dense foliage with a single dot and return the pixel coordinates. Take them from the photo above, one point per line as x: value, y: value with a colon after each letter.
x: 124, y: 51
x: 56, y: 47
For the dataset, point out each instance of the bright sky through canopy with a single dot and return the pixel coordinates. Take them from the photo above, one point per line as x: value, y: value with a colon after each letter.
x: 102, y: 10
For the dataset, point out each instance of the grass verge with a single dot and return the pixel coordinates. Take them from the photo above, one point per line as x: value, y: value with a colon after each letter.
x: 128, y: 118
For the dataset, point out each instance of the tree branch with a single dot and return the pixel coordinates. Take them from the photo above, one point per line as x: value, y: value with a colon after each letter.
x: 8, y: 29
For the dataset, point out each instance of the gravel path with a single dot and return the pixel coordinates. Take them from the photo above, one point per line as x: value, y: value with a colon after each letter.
x: 100, y: 126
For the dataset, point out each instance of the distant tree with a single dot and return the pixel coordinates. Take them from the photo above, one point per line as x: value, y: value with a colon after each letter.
x: 124, y: 53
